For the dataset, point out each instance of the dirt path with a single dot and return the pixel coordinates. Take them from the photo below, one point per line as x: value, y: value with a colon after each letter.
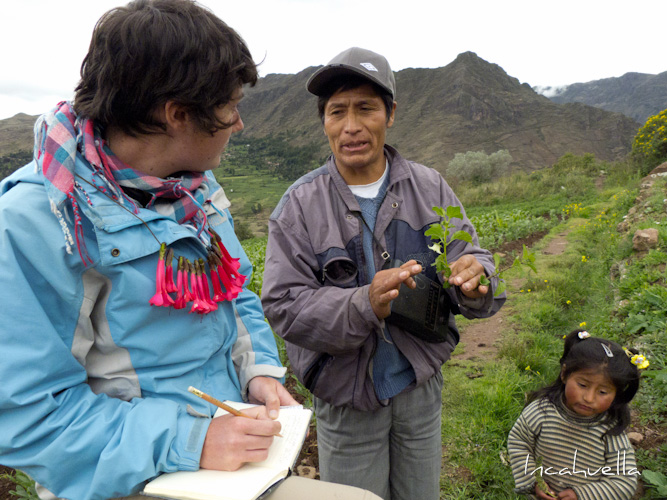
x: 481, y: 341
x: 480, y: 338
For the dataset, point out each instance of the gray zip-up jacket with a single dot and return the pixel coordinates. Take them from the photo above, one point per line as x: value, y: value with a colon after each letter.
x: 315, y: 289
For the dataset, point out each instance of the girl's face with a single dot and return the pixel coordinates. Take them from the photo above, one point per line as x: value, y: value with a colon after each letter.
x: 588, y: 392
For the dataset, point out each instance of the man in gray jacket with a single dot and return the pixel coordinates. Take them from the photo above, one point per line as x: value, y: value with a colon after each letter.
x: 344, y: 241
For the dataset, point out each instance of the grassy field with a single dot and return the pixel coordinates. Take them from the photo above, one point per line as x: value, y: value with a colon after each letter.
x: 253, y: 198
x: 598, y: 282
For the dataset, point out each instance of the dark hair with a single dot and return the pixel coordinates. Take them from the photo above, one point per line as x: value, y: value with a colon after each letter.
x: 350, y: 82
x: 153, y: 51
x: 589, y: 353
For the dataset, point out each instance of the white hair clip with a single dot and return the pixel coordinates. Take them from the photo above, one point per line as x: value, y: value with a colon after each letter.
x: 607, y: 350
x: 583, y: 335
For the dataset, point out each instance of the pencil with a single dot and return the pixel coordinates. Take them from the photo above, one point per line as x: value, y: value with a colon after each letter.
x: 219, y: 404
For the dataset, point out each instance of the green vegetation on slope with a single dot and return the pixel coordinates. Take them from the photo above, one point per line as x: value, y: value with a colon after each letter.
x: 582, y: 287
x: 256, y: 172
x: 598, y: 283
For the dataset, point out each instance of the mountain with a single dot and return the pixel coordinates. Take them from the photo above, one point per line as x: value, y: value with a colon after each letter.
x: 468, y: 105
x: 16, y: 134
x: 637, y: 95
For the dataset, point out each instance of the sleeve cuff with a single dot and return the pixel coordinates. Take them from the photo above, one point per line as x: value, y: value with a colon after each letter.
x: 277, y: 372
x: 528, y: 489
x: 482, y: 304
x: 190, y: 441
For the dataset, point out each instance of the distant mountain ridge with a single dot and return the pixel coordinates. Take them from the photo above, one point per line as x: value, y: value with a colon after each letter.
x: 637, y: 95
x: 16, y: 134
x: 468, y: 105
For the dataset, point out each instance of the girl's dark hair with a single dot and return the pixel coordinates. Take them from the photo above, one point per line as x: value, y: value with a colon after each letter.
x: 153, y: 51
x: 350, y: 82
x: 590, y: 354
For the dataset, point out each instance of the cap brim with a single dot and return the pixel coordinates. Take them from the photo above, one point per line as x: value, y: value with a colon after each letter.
x: 317, y: 83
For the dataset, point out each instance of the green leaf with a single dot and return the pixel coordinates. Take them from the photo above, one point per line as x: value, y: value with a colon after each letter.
x: 436, y: 232
x: 528, y: 256
x: 484, y: 281
x: 500, y: 288
x: 462, y: 235
x: 440, y: 211
x: 454, y: 212
x: 496, y: 261
x: 441, y: 265
x: 528, y: 259
x: 655, y: 479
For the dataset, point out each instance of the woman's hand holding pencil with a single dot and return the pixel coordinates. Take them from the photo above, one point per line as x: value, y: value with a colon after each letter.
x: 230, y: 441
x: 220, y: 404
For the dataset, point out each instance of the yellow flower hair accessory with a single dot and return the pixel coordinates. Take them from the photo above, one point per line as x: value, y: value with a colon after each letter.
x: 640, y: 361
x: 583, y: 335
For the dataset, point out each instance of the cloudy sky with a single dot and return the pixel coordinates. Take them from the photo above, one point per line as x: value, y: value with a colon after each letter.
x: 540, y: 43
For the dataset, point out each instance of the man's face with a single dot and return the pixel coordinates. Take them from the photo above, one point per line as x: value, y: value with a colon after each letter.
x: 355, y: 121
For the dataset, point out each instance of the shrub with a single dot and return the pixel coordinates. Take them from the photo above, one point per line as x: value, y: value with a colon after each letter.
x: 569, y: 163
x: 650, y: 145
x: 478, y: 167
x: 242, y: 230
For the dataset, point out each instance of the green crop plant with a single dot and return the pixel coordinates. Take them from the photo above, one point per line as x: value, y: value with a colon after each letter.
x: 441, y: 233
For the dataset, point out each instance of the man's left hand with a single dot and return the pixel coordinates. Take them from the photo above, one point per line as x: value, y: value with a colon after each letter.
x: 466, y: 273
x: 271, y: 393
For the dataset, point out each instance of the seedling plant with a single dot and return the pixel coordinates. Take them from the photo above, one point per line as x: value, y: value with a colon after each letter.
x: 441, y: 234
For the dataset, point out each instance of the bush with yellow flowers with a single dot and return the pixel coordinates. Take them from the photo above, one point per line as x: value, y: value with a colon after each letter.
x: 650, y: 144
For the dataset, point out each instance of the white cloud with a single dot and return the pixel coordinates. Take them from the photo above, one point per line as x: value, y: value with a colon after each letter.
x: 549, y: 91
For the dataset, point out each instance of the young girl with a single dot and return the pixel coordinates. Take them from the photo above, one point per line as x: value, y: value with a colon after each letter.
x: 569, y: 442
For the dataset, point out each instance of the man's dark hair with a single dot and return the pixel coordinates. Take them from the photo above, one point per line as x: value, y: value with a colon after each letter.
x: 350, y: 82
x: 153, y: 51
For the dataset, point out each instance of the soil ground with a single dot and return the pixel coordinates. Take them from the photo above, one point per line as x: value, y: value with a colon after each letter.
x: 5, y: 485
x: 480, y: 339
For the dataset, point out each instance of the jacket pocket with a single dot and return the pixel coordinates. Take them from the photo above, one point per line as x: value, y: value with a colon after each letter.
x: 312, y: 374
x: 339, y: 271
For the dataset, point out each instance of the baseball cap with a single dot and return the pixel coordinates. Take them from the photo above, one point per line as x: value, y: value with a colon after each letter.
x: 354, y: 61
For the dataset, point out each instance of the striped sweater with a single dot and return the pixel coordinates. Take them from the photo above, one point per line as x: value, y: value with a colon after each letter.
x: 574, y: 453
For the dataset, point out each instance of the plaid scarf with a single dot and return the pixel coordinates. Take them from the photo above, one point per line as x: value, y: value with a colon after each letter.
x: 61, y: 134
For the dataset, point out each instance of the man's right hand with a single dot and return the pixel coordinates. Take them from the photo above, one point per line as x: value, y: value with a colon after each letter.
x: 385, y: 285
x: 232, y: 441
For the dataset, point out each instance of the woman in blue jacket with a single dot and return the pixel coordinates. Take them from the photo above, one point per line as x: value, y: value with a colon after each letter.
x: 121, y: 278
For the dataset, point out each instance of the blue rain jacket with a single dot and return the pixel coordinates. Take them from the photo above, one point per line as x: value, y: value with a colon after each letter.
x: 93, y: 392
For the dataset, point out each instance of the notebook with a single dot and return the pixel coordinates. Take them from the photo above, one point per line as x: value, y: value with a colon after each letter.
x: 252, y: 480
